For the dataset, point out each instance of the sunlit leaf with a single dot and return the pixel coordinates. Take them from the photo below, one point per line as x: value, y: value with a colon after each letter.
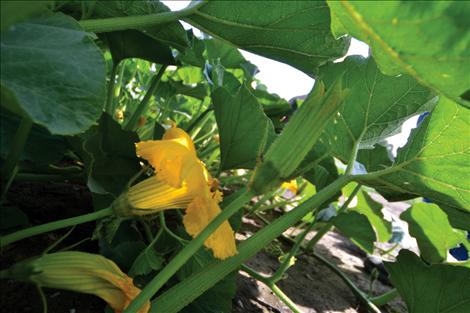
x: 439, y: 288
x: 429, y: 41
x: 375, y: 107
x: 243, y: 127
x: 53, y: 73
x: 430, y: 226
x: 434, y: 163
x: 294, y: 32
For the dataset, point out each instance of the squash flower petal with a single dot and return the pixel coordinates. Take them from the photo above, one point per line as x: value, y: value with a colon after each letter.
x: 81, y: 272
x: 181, y: 181
x: 198, y: 215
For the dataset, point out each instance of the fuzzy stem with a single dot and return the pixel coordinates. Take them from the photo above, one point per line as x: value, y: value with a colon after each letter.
x: 143, y: 105
x: 186, y: 253
x: 103, y: 25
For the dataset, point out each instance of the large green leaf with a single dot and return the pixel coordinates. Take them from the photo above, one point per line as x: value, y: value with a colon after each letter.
x: 430, y: 226
x: 135, y: 44
x: 109, y: 155
x: 41, y: 147
x: 53, y: 73
x: 244, y: 129
x: 294, y: 32
x: 439, y: 288
x: 17, y: 11
x: 356, y: 227
x: 373, y: 211
x: 375, y: 107
x: 434, y: 162
x: 427, y: 40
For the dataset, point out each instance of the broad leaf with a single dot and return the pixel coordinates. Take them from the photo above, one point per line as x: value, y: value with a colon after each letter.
x: 434, y: 162
x: 373, y: 211
x: 430, y: 226
x: 147, y: 261
x: 375, y: 159
x: 429, y: 41
x: 18, y: 11
x: 135, y: 44
x: 375, y: 107
x: 41, y: 147
x: 293, y: 32
x: 244, y: 129
x: 457, y: 218
x: 356, y: 227
x: 439, y: 288
x: 109, y: 157
x: 53, y: 73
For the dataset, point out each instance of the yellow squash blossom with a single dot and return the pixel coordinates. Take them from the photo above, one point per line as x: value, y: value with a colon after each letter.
x: 81, y: 272
x: 290, y: 185
x: 181, y: 181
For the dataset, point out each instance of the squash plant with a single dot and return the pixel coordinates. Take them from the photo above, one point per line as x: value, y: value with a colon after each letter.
x: 160, y: 125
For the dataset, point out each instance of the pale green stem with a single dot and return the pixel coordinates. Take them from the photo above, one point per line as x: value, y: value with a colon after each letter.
x: 357, y: 292
x: 287, y: 261
x: 327, y: 227
x: 44, y: 228
x: 385, y: 298
x: 110, y: 96
x: 275, y: 289
x: 103, y: 25
x: 186, y: 253
x: 18, y: 143
x: 186, y: 291
x: 143, y: 105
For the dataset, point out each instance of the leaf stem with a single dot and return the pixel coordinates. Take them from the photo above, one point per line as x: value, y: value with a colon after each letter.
x: 44, y: 228
x: 275, y: 289
x: 287, y: 261
x: 186, y: 291
x: 385, y: 298
x: 112, y: 83
x: 327, y: 227
x: 19, y: 141
x: 103, y: 25
x: 186, y: 253
x: 357, y: 292
x: 142, y: 108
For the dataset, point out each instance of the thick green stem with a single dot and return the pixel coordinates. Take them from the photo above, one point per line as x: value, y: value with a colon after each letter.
x: 143, y: 105
x: 186, y: 253
x: 103, y: 25
x: 44, y: 228
x: 385, y: 298
x: 112, y: 83
x: 287, y: 262
x: 19, y: 141
x: 186, y: 291
x: 198, y: 119
x: 275, y: 289
x: 327, y: 227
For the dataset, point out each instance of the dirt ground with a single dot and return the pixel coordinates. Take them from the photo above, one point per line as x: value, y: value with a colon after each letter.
x: 310, y: 284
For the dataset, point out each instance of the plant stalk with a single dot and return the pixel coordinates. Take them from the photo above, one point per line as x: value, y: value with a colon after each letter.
x: 112, y: 83
x: 19, y: 141
x: 143, y: 105
x: 186, y: 291
x: 327, y: 227
x: 385, y: 298
x: 44, y: 228
x: 275, y: 289
x: 186, y: 253
x: 103, y: 25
